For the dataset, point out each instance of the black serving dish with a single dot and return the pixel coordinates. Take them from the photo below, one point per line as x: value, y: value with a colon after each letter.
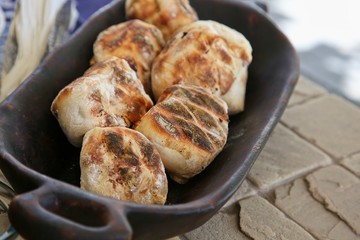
x: 43, y: 167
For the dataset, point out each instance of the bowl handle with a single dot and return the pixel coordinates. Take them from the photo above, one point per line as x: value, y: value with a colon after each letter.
x: 50, y: 211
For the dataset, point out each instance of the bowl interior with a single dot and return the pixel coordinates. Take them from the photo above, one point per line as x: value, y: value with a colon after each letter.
x: 32, y: 136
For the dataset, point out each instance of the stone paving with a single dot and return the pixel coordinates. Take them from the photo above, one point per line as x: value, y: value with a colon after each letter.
x: 305, y: 183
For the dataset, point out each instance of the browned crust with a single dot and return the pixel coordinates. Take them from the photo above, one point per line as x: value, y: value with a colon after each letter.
x: 194, y: 113
x: 108, y: 94
x: 167, y: 15
x: 135, y: 41
x: 134, y: 162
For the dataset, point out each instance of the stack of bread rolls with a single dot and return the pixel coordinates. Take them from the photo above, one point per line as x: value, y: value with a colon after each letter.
x: 156, y: 101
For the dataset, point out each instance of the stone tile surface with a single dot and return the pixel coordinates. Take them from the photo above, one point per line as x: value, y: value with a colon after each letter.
x: 304, y: 90
x: 296, y: 201
x: 284, y: 156
x: 339, y: 190
x: 221, y: 226
x: 329, y: 122
x: 352, y: 163
x: 261, y: 220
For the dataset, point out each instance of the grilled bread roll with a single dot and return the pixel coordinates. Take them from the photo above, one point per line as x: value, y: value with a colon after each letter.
x: 208, y: 54
x: 123, y: 164
x: 189, y: 127
x: 136, y: 41
x: 108, y: 94
x: 167, y: 15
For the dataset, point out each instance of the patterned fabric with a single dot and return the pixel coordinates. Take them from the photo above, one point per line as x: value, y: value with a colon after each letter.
x: 7, y: 6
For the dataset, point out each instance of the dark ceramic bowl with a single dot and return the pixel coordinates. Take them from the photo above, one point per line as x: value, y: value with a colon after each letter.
x: 43, y: 167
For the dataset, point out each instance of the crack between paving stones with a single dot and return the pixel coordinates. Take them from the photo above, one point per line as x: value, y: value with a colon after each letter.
x: 327, y: 203
x: 312, y: 142
x: 307, y: 100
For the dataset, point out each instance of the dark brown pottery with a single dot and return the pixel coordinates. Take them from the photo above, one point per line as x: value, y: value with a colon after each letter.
x: 43, y: 167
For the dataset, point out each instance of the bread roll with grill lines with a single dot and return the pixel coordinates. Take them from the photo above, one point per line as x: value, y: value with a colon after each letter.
x: 167, y: 15
x: 189, y: 127
x: 123, y: 164
x: 208, y: 54
x: 108, y: 94
x: 135, y: 41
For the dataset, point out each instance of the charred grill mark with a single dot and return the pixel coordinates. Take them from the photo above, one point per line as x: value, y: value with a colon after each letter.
x: 112, y: 39
x: 123, y: 171
x: 204, y: 100
x: 126, y: 164
x: 152, y: 159
x: 195, y: 134
x: 203, y: 46
x: 139, y: 37
x: 126, y: 176
x: 198, y: 97
x: 131, y: 159
x: 224, y: 55
x: 120, y: 149
x: 217, y: 140
x: 97, y: 110
x: 178, y: 72
x: 175, y: 107
x: 196, y: 59
x: 114, y: 143
x: 182, y: 92
x: 119, y: 93
x: 203, y: 117
x: 96, y: 156
x: 166, y: 124
x: 207, y: 78
x: 95, y: 96
x: 226, y: 82
x: 148, y: 152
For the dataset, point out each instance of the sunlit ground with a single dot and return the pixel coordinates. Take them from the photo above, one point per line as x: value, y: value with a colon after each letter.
x: 327, y: 37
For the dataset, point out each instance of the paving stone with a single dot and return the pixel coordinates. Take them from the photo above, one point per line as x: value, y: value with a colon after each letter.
x: 296, y: 201
x: 339, y: 190
x: 221, y: 226
x: 330, y: 122
x: 260, y: 220
x: 244, y: 191
x: 352, y: 163
x: 284, y: 156
x: 304, y: 90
